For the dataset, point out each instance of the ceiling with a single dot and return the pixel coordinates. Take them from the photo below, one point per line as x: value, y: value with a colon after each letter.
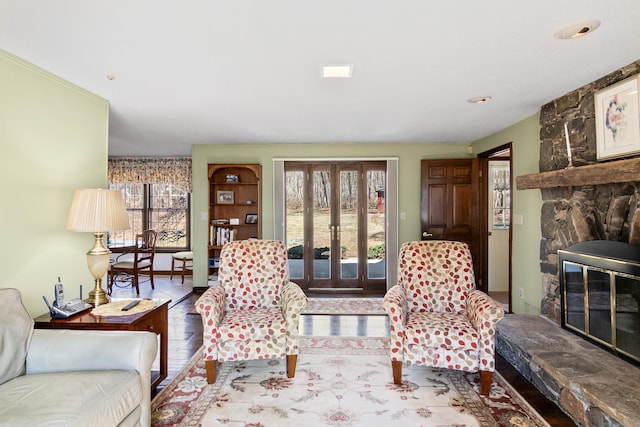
x: 218, y: 71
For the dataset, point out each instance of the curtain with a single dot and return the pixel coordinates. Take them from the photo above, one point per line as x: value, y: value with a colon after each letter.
x: 151, y: 170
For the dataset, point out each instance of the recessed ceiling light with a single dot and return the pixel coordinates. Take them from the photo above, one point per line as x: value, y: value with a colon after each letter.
x: 337, y: 71
x: 479, y: 99
x: 111, y: 77
x: 578, y: 30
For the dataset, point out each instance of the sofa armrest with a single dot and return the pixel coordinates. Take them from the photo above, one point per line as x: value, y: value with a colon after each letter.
x: 395, y: 304
x: 61, y: 350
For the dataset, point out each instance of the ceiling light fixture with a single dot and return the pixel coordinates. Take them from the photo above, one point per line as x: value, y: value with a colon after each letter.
x: 479, y: 99
x: 337, y: 71
x: 578, y: 30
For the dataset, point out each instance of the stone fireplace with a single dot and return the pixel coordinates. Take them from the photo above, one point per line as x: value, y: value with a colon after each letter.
x: 577, y: 213
x: 593, y: 201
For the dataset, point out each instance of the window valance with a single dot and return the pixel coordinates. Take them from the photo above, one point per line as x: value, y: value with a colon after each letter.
x: 151, y: 170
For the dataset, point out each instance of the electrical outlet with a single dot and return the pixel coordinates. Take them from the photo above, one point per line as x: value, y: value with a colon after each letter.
x: 521, y: 293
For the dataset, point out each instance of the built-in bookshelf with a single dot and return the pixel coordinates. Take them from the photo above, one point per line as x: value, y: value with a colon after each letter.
x: 234, y: 207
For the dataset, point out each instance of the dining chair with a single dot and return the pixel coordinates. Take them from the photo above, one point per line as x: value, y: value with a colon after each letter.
x: 138, y: 262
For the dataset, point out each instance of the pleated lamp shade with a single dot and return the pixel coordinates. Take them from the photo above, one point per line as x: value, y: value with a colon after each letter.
x: 98, y: 210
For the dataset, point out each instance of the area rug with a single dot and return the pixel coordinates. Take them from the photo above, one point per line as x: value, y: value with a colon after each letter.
x: 339, y: 382
x: 340, y: 306
x: 344, y: 306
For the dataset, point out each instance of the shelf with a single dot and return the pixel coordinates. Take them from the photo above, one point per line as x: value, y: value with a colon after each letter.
x: 248, y: 188
x: 599, y: 173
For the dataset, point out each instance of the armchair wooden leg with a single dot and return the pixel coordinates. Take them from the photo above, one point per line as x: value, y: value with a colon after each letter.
x: 486, y: 377
x: 396, y: 368
x: 210, y: 368
x: 292, y: 360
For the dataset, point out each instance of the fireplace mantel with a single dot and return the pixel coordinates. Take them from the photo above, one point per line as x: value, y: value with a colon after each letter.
x: 599, y: 173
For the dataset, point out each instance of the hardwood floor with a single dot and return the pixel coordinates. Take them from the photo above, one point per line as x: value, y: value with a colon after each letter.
x: 185, y: 338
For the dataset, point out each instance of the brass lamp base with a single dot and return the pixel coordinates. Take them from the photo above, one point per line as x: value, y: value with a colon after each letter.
x: 98, y: 296
x: 98, y: 263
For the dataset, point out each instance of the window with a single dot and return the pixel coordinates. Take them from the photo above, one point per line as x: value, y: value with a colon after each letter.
x: 161, y: 207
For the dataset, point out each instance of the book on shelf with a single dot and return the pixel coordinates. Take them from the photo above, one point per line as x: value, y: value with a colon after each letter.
x: 219, y: 236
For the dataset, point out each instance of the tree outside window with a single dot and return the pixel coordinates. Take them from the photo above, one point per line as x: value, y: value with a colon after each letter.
x: 164, y: 208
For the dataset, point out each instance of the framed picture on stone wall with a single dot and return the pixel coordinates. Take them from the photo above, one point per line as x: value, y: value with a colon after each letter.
x: 618, y: 119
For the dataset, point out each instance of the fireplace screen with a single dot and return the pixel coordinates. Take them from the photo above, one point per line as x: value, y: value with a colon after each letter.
x: 600, y: 283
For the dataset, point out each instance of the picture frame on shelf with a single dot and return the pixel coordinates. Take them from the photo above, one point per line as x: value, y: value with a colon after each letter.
x: 224, y: 197
x: 617, y: 109
x: 251, y: 219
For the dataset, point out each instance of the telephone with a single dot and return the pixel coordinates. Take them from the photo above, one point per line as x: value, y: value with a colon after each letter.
x: 61, y: 309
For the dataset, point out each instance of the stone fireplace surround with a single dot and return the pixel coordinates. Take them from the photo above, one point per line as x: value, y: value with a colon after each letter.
x: 575, y: 214
x: 590, y: 384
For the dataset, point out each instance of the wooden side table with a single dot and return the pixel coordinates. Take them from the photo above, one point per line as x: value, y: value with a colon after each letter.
x: 155, y: 320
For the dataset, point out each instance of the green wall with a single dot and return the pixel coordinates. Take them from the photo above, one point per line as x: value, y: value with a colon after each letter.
x: 525, y: 139
x: 409, y: 156
x: 53, y: 140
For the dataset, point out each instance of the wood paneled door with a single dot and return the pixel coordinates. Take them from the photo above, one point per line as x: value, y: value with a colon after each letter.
x: 450, y: 204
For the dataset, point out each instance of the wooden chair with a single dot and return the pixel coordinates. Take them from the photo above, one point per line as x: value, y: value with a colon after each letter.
x: 186, y: 258
x: 436, y: 316
x: 254, y: 311
x: 138, y: 262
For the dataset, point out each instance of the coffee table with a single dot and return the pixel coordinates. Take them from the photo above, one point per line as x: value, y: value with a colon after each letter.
x: 155, y: 320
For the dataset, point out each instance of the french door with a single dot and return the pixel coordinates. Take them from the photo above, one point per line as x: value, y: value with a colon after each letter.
x: 335, y: 224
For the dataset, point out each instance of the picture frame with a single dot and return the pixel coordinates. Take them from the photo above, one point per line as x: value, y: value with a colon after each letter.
x: 224, y: 197
x: 617, y: 109
x: 251, y: 219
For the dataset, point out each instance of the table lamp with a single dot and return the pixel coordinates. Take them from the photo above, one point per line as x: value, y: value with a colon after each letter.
x: 98, y: 211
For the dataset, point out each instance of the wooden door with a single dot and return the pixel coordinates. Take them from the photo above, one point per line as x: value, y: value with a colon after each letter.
x: 450, y: 204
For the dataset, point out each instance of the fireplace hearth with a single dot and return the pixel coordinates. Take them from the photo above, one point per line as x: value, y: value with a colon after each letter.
x: 600, y: 295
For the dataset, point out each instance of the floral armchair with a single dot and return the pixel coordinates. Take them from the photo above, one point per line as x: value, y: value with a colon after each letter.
x: 437, y: 318
x: 254, y: 311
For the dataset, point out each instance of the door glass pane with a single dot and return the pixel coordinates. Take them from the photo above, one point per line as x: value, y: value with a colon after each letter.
x: 376, y: 219
x: 294, y: 222
x: 349, y: 224
x: 322, y: 230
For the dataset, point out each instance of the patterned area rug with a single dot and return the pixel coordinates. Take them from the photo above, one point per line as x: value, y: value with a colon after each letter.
x: 340, y: 306
x: 339, y: 382
x: 344, y: 306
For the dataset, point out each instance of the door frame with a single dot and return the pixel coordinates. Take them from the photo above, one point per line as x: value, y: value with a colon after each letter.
x: 484, y: 158
x: 391, y: 204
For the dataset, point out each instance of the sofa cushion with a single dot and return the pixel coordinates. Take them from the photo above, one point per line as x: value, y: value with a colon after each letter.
x: 16, y: 327
x: 88, y: 398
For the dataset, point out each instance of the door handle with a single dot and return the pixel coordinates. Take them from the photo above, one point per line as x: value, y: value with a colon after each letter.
x: 426, y: 234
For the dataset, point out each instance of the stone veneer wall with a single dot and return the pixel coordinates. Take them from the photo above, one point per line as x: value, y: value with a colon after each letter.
x: 576, y: 214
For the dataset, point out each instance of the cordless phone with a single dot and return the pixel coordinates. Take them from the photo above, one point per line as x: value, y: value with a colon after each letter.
x: 60, y: 309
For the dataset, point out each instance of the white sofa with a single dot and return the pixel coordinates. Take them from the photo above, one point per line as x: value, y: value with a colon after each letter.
x: 71, y: 378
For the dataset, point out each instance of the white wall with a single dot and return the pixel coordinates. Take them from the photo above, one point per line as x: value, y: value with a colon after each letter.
x: 53, y: 140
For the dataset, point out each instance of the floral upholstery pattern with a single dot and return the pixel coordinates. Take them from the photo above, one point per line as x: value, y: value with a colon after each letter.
x: 254, y: 311
x: 436, y: 316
